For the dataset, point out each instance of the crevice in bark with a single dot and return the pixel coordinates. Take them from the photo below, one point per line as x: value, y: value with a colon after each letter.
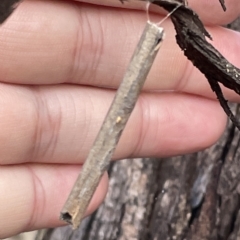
x: 195, y: 213
x: 227, y: 146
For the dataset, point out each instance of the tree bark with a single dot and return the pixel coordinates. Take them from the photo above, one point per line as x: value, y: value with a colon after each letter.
x: 195, y: 196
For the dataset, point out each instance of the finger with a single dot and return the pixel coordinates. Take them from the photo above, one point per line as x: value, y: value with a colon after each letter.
x: 210, y: 12
x: 55, y: 123
x: 94, y: 55
x: 34, y: 195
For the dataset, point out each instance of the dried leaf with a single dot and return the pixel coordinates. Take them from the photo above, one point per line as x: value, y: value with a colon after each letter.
x: 191, y: 37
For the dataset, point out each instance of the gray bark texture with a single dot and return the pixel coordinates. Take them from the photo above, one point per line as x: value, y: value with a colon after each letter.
x: 191, y: 197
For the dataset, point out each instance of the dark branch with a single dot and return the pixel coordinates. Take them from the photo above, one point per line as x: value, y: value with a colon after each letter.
x: 6, y: 8
x: 191, y: 37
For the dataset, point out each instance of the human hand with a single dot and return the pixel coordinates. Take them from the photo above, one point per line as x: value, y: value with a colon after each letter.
x: 58, y: 61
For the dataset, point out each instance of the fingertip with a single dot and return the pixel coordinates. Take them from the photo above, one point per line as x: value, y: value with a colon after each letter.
x: 34, y: 195
x: 172, y: 124
x: 211, y: 12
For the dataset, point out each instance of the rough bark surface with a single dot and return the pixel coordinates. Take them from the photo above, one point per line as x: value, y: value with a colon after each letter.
x: 196, y: 196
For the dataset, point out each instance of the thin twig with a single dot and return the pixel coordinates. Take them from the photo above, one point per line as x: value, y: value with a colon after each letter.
x: 114, y: 123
